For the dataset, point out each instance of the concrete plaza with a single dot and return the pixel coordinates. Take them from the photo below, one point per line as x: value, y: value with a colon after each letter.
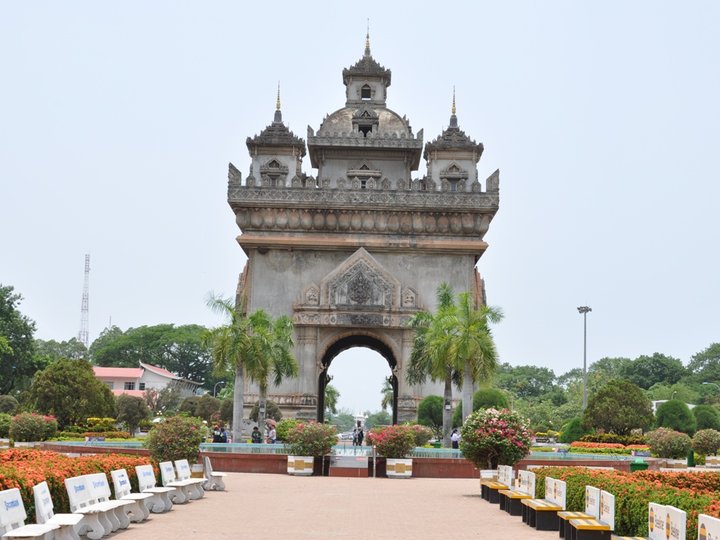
x: 272, y: 506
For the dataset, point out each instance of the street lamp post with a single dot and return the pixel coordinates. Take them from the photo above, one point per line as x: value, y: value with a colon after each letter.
x: 584, y: 310
x: 215, y: 387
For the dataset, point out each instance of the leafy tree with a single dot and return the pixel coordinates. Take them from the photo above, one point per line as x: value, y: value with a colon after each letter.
x: 343, y: 420
x: 189, y: 405
x: 132, y: 410
x: 17, y: 360
x: 272, y: 410
x: 707, y: 417
x: 572, y: 431
x: 69, y: 390
x: 675, y: 414
x: 526, y: 381
x: 453, y: 345
x: 166, y: 401
x: 180, y: 349
x: 254, y: 345
x: 610, y: 367
x: 331, y: 399
x: 178, y: 437
x: 387, y: 394
x: 645, y: 371
x: 430, y: 414
x: 679, y: 390
x: 8, y: 404
x: 226, y: 410
x: 207, y: 407
x: 379, y: 418
x: 618, y: 407
x: 52, y: 350
x: 706, y: 364
x: 706, y: 442
x: 487, y: 398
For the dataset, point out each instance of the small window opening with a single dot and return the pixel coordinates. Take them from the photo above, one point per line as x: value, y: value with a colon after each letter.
x: 365, y: 92
x: 365, y: 130
x: 363, y: 184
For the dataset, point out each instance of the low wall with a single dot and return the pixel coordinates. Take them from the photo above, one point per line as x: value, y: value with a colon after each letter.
x: 422, y: 467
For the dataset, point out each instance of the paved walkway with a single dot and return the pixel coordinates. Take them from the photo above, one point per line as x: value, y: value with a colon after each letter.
x: 272, y: 506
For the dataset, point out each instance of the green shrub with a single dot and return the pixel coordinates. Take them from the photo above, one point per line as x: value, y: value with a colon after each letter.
x: 8, y: 404
x: 706, y: 442
x: 226, y: 410
x: 572, y: 431
x: 489, y: 398
x: 5, y: 420
x: 271, y: 411
x: 30, y: 427
x: 423, y: 434
x: 178, y: 437
x: 100, y: 424
x: 667, y: 443
x: 613, y: 438
x: 675, y: 414
x: 311, y: 439
x: 283, y: 427
x: 707, y: 417
x: 490, y: 438
x: 430, y: 413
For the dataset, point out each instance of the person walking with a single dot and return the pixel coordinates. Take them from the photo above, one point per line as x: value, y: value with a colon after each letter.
x: 455, y: 438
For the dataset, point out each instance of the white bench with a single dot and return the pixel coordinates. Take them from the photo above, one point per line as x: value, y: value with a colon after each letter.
x: 162, y: 496
x: 213, y: 480
x: 141, y: 502
x: 100, y: 489
x: 185, y: 491
x: 184, y: 474
x: 69, y: 525
x: 13, y: 515
x: 101, y: 518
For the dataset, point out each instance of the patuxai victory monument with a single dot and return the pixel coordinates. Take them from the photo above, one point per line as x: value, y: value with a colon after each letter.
x: 353, y: 251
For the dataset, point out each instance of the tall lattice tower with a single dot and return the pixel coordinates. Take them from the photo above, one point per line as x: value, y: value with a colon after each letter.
x: 84, y: 334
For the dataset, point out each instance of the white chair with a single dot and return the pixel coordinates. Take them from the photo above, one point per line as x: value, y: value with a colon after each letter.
x: 162, y: 496
x: 69, y: 525
x: 141, y: 502
x: 184, y: 473
x: 13, y: 515
x: 213, y: 480
x: 185, y: 490
x: 100, y: 520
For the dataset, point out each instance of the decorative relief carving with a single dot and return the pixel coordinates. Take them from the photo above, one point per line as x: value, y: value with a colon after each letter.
x: 360, y: 285
x: 409, y: 298
x: 312, y: 295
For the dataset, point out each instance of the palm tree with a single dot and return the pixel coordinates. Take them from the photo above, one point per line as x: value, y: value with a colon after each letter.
x: 430, y: 356
x: 474, y: 348
x: 252, y: 345
x: 273, y: 358
x: 453, y: 345
x: 332, y: 395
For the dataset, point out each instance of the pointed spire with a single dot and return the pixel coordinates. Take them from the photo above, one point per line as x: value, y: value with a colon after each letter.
x: 453, y: 117
x: 367, y: 39
x: 278, y: 113
x: 453, y: 106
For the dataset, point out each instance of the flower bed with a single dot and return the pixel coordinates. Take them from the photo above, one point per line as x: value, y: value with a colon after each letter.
x: 607, y: 448
x: 692, y: 492
x: 24, y: 468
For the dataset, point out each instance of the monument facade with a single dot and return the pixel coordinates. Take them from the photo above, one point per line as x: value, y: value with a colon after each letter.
x: 351, y: 253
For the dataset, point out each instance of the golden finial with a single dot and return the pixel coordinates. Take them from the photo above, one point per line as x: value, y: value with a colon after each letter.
x: 277, y: 103
x: 453, y: 107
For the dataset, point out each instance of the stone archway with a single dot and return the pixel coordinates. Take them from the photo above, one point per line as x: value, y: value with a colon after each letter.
x: 347, y: 342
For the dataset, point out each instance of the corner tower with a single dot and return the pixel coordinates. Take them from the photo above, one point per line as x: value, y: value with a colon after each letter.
x: 354, y: 251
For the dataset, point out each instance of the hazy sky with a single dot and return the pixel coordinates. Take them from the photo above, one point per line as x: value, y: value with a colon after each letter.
x: 117, y: 121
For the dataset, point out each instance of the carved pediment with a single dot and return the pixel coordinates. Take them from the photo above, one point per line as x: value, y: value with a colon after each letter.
x: 360, y: 282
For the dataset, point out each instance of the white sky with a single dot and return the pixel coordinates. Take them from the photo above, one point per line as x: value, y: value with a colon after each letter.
x: 117, y: 122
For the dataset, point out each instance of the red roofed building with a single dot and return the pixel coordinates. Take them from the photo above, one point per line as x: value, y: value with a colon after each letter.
x: 134, y: 381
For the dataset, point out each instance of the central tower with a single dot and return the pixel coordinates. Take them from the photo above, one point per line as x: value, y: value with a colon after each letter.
x: 354, y: 251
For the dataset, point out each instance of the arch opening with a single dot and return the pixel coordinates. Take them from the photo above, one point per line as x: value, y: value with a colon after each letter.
x: 350, y: 342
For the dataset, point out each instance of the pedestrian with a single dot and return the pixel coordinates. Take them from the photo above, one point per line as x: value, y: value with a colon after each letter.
x: 223, y: 435
x: 455, y: 438
x: 256, y: 435
x: 272, y: 434
x: 358, y: 435
x: 216, y: 434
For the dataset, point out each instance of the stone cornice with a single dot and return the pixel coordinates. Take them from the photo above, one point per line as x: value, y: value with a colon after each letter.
x: 240, y: 197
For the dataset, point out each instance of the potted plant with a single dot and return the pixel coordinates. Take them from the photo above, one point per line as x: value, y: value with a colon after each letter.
x: 395, y: 443
x: 306, y: 442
